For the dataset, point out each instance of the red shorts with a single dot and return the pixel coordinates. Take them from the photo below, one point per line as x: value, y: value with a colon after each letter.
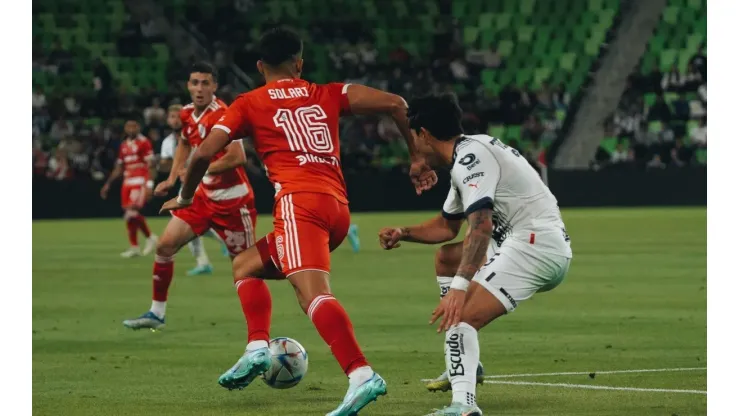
x: 308, y: 226
x: 233, y: 220
x: 133, y: 196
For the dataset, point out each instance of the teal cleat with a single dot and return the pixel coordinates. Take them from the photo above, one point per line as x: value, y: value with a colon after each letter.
x: 225, y: 250
x: 200, y: 270
x: 354, y: 237
x: 251, y: 365
x: 148, y: 320
x: 457, y: 409
x: 359, y: 397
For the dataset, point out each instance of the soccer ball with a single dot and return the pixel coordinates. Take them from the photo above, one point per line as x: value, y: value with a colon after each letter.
x: 289, y: 363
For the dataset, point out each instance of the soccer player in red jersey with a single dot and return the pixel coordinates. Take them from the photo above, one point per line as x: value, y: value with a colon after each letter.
x: 223, y: 201
x: 294, y: 125
x: 136, y: 163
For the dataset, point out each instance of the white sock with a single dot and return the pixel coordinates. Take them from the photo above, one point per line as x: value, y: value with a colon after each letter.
x: 360, y: 375
x: 199, y: 252
x: 158, y: 308
x: 255, y: 345
x: 462, y: 354
x: 444, y: 285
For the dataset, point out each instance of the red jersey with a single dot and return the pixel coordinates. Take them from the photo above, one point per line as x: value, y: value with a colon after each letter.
x: 228, y: 185
x: 136, y: 156
x: 295, y: 128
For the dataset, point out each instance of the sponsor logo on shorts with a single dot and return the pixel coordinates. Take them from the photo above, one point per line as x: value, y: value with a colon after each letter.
x: 309, y: 158
x: 235, y: 240
x: 280, y: 248
x: 508, y: 296
x: 456, y: 351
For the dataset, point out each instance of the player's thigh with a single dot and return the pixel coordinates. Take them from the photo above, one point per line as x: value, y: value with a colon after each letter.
x: 236, y: 228
x: 481, y: 307
x: 301, y: 239
x: 176, y: 234
x: 337, y: 217
x: 516, y: 272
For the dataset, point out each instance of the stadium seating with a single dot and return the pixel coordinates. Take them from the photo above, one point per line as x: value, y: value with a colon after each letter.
x: 681, y: 30
x: 89, y: 29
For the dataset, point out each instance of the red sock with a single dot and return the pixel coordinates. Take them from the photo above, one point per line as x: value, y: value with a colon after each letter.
x: 163, y: 270
x: 334, y: 326
x: 141, y: 222
x: 257, y: 307
x: 132, y: 227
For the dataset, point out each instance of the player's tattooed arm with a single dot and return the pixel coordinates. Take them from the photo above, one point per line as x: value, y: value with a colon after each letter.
x: 476, y: 242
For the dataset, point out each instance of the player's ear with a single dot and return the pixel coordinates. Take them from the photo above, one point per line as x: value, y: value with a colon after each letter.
x: 260, y: 68
x: 299, y: 65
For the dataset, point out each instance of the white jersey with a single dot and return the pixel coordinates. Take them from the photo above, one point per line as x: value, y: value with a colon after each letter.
x: 169, y: 144
x: 488, y: 173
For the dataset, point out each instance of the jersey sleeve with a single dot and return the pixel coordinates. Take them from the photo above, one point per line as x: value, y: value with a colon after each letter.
x: 235, y: 119
x: 476, y: 174
x: 338, y: 91
x: 453, y: 208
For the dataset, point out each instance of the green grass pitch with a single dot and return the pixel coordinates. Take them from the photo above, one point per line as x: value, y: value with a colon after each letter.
x: 635, y: 298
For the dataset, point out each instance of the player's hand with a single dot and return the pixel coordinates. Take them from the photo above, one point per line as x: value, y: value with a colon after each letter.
x: 104, y: 191
x: 449, y: 309
x: 389, y: 238
x: 422, y: 176
x: 172, y: 205
x: 163, y: 188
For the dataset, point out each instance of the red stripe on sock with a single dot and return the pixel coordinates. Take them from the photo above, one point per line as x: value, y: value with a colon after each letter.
x: 335, y: 327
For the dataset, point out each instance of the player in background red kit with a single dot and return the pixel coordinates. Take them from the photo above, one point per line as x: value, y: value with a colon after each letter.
x: 294, y: 125
x: 136, y: 163
x: 223, y: 201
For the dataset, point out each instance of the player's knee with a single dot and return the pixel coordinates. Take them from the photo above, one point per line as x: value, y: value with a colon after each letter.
x: 166, y: 247
x: 130, y: 213
x: 446, y: 260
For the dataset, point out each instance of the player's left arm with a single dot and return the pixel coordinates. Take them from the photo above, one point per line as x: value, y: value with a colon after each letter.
x: 234, y: 157
x: 367, y: 100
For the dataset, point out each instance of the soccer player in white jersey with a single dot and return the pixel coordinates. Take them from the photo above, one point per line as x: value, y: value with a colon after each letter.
x: 490, y: 183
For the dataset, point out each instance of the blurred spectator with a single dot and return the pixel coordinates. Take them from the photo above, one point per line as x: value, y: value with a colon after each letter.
x: 660, y: 110
x: 681, y: 155
x: 654, y: 80
x: 561, y: 97
x: 71, y: 105
x: 38, y: 99
x: 699, y: 133
x: 155, y: 137
x: 672, y: 80
x: 368, y: 52
x: 693, y: 79
x: 155, y: 114
x: 532, y: 128
x: 656, y: 162
x: 699, y: 61
x: 61, y: 129
x: 459, y: 69
x: 60, y: 59
x: 58, y: 168
x: 681, y: 109
x: 485, y: 58
x: 621, y: 154
x: 40, y: 158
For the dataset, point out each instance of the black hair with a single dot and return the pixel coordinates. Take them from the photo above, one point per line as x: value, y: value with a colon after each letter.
x: 204, y: 67
x: 279, y: 45
x: 440, y: 114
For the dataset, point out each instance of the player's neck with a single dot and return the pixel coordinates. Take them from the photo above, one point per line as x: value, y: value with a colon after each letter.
x: 279, y: 76
x: 199, y: 110
x: 445, y: 149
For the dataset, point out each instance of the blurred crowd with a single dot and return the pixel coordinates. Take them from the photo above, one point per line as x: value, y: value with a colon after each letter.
x: 77, y: 133
x: 661, y: 120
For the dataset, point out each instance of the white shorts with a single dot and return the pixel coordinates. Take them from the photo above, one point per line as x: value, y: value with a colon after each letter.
x: 518, y: 270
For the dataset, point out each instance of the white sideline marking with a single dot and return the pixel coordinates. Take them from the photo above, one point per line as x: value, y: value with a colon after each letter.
x: 578, y: 373
x: 592, y: 387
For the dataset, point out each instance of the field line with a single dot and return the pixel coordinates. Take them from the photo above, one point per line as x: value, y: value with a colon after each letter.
x: 578, y: 373
x: 593, y: 387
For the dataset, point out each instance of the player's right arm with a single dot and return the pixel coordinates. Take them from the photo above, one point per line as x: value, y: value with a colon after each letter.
x: 442, y: 228
x: 367, y: 100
